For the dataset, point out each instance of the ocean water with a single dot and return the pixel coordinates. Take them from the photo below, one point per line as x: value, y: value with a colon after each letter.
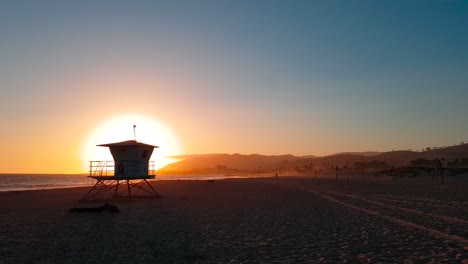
x: 24, y: 182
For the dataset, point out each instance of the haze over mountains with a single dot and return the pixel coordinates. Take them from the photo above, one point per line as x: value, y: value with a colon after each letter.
x: 255, y: 163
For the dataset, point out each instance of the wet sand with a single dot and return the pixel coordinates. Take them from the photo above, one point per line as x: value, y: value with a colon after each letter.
x: 286, y: 220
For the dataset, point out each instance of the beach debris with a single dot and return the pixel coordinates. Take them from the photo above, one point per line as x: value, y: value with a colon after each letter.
x: 106, y: 207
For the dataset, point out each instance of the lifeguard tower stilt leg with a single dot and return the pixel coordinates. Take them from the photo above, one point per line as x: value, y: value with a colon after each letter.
x: 99, y: 188
x: 146, y: 187
x: 116, y: 188
x: 152, y: 189
x: 129, y: 191
x: 106, y: 184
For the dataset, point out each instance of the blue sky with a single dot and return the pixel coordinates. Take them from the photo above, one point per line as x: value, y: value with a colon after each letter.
x: 272, y: 77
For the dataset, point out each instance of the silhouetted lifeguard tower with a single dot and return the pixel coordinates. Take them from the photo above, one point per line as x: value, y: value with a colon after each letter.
x: 131, y: 165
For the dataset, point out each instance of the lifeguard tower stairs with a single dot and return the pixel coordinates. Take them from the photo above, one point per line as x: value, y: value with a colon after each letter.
x: 126, y: 176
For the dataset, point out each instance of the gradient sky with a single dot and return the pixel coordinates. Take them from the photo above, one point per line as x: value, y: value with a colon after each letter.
x: 268, y: 77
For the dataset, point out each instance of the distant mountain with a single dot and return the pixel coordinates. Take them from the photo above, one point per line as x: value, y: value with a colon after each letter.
x: 309, y: 157
x: 394, y: 158
x: 448, y: 153
x: 399, y: 157
x: 189, y: 156
x: 364, y: 153
x: 403, y: 157
x: 221, y: 163
x: 255, y: 163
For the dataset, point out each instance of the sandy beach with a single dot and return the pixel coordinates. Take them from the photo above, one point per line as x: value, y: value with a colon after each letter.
x: 258, y: 220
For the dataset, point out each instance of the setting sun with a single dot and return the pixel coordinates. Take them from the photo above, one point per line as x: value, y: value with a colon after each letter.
x: 120, y: 128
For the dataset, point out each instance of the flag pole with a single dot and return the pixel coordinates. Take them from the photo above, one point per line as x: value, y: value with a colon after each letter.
x: 134, y: 133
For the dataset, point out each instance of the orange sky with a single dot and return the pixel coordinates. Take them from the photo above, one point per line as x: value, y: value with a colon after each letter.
x: 287, y: 77
x: 47, y: 134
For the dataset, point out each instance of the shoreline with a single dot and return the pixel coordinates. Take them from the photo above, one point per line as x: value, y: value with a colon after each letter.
x: 425, y: 180
x: 27, y: 186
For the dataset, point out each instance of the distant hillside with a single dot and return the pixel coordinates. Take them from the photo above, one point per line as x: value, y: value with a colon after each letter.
x: 405, y: 157
x: 394, y: 158
x: 255, y: 163
x: 221, y: 163
x: 189, y: 156
x: 449, y: 153
x: 364, y: 153
x: 309, y: 157
x: 398, y: 157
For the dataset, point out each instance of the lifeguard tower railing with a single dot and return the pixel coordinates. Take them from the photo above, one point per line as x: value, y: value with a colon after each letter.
x: 107, y: 168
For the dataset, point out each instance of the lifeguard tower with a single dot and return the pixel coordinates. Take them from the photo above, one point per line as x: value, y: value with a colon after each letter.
x: 131, y: 167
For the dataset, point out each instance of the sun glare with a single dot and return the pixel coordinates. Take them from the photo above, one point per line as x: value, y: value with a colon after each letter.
x: 120, y: 128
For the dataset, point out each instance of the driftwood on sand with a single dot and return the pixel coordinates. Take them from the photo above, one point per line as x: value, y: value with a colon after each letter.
x: 106, y: 207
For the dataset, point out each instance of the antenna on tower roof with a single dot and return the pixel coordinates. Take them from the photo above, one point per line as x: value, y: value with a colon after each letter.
x: 134, y: 132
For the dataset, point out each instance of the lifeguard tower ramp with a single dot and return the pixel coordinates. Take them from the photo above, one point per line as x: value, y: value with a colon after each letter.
x: 126, y: 175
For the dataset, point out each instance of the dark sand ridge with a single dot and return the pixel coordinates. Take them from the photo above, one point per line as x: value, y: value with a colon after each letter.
x: 288, y: 220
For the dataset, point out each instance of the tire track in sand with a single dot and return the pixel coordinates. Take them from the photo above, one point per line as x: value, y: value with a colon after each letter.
x: 398, y: 221
x: 417, y: 203
x: 362, y: 198
x: 421, y: 201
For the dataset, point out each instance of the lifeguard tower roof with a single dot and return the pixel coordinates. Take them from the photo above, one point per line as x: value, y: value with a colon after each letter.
x: 127, y: 143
